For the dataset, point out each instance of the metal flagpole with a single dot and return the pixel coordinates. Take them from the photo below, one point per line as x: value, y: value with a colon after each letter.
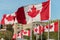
x: 36, y: 37
x: 41, y: 36
x: 50, y: 17
x: 58, y: 29
x: 36, y: 33
x: 31, y: 33
x: 48, y: 30
x: 31, y: 30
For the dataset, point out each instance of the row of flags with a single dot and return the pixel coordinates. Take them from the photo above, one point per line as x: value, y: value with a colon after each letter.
x: 25, y: 14
x: 29, y: 14
x: 53, y: 27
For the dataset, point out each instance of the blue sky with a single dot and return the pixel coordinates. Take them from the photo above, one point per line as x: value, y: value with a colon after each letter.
x: 10, y: 6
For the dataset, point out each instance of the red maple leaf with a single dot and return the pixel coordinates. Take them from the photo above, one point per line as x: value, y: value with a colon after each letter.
x: 25, y: 32
x: 33, y: 12
x: 36, y: 29
x: 50, y: 26
x: 10, y: 18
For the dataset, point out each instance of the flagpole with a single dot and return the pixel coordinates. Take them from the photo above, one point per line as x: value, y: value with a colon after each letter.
x: 36, y: 37
x: 36, y: 33
x: 30, y: 33
x: 41, y: 36
x: 58, y: 29
x: 50, y: 17
x: 48, y: 30
x: 31, y: 30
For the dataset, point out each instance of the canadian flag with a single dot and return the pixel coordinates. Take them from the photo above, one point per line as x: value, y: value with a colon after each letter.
x: 36, y: 12
x: 26, y: 32
x: 38, y: 30
x: 53, y: 27
x: 9, y: 19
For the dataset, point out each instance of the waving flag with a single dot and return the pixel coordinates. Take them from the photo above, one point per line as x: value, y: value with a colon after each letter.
x: 36, y: 12
x: 26, y: 32
x: 8, y: 19
x: 52, y: 27
x: 38, y: 30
